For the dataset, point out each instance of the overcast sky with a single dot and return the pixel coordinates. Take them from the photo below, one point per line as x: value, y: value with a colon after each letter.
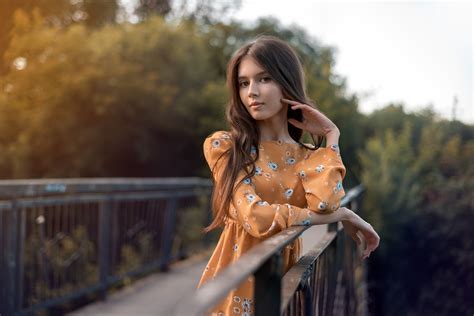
x: 418, y: 53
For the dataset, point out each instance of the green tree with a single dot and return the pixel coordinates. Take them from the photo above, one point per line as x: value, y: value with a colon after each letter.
x: 57, y: 13
x: 87, y: 97
x: 418, y: 180
x: 324, y: 86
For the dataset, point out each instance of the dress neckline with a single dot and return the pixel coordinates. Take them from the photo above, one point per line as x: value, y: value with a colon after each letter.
x: 279, y: 142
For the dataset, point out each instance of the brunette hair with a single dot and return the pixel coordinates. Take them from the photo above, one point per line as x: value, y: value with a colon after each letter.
x: 284, y: 67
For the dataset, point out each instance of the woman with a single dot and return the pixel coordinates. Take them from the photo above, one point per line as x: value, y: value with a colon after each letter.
x: 265, y: 180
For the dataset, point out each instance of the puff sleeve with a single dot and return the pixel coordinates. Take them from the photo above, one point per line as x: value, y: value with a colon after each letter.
x: 259, y: 218
x: 321, y: 173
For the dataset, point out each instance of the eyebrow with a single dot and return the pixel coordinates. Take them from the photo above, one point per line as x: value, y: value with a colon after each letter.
x: 260, y: 73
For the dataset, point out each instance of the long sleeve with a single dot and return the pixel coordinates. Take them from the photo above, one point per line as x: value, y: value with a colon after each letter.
x: 321, y: 174
x: 258, y: 217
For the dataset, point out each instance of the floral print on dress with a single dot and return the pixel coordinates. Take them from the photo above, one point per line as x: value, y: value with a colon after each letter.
x: 319, y: 168
x: 253, y: 151
x: 322, y: 205
x: 216, y: 143
x: 273, y: 166
x: 337, y: 188
x: 288, y: 193
x: 247, y: 226
x: 290, y: 161
x: 335, y: 148
x: 286, y: 190
x: 250, y: 197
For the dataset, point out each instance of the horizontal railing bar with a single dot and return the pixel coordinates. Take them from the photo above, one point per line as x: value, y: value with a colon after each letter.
x: 39, y: 187
x: 83, y: 198
x: 298, y: 273
x: 213, y: 291
x: 5, y: 205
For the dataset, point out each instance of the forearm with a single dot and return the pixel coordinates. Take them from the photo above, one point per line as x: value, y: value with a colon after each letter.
x: 332, y: 138
x: 341, y: 214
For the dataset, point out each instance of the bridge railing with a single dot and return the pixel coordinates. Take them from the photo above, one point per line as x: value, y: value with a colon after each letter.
x: 325, y: 281
x: 62, y: 239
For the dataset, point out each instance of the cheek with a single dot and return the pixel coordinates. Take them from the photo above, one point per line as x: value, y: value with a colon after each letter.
x: 243, y: 95
x: 275, y: 90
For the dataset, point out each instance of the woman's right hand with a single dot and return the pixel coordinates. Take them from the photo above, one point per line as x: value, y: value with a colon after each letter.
x: 353, y: 224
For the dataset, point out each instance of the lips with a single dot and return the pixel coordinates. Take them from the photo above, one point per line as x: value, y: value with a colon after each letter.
x: 255, y: 104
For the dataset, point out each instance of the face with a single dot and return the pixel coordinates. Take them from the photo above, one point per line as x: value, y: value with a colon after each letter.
x: 259, y: 92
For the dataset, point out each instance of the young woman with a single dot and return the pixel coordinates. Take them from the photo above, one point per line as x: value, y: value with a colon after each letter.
x: 265, y: 179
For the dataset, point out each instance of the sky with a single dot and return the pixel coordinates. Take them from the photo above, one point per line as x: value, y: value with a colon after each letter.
x: 416, y: 53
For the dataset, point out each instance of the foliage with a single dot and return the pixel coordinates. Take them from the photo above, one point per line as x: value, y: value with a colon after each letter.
x: 80, y: 98
x: 419, y: 198
x: 55, y: 266
x: 86, y: 98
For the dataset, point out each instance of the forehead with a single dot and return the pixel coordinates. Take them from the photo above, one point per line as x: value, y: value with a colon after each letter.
x: 249, y: 67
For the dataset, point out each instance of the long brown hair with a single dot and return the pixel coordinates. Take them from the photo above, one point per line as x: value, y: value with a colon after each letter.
x: 283, y: 65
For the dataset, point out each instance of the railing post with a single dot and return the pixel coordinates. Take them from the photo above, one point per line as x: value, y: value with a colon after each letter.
x: 339, y: 288
x: 267, y: 288
x: 105, y: 209
x: 12, y: 262
x: 168, y: 233
x: 3, y: 280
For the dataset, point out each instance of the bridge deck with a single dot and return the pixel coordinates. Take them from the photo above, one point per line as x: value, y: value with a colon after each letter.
x: 158, y: 293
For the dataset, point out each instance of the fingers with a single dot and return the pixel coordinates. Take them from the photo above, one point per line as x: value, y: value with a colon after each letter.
x: 289, y: 101
x: 372, y: 240
x: 357, y: 239
x: 295, y: 105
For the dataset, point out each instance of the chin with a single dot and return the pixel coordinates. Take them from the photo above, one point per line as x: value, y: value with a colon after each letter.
x: 260, y: 117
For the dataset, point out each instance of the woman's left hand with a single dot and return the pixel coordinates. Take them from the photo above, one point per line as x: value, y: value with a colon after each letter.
x: 360, y: 230
x: 314, y: 121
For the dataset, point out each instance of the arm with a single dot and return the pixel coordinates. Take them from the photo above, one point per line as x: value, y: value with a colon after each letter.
x: 258, y: 217
x: 332, y: 138
x: 341, y: 214
x: 321, y: 173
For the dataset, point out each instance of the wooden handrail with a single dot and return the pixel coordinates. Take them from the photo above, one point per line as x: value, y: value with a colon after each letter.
x: 213, y: 291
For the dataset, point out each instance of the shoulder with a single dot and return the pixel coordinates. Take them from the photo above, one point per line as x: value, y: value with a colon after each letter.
x: 217, y: 139
x: 216, y: 144
x: 225, y: 135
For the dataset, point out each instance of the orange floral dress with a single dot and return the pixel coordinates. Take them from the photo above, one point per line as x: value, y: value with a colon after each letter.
x: 291, y: 182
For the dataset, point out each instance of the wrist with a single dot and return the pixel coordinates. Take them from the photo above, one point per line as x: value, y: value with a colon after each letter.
x: 332, y: 138
x: 347, y: 214
x: 335, y: 132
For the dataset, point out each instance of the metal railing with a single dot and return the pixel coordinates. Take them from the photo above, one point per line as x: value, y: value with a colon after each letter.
x: 62, y: 239
x: 325, y: 281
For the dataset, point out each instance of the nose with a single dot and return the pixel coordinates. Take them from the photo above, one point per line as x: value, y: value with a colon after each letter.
x: 253, y: 89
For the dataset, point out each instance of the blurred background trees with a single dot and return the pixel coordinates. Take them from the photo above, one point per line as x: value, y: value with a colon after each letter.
x: 86, y: 93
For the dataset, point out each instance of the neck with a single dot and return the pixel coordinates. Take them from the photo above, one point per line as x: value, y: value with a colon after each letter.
x: 275, y: 128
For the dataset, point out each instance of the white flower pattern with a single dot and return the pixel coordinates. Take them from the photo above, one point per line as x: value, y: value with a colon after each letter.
x: 286, y: 178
